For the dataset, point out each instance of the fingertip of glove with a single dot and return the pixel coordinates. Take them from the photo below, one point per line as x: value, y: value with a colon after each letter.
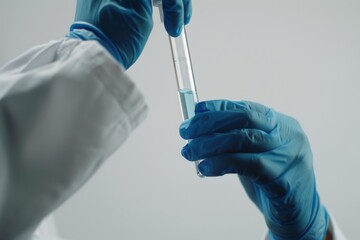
x: 201, y: 169
x: 187, y: 17
x: 173, y: 31
x: 186, y: 152
x: 187, y: 11
x: 209, y: 168
x: 204, y: 169
x: 187, y: 20
x: 178, y: 30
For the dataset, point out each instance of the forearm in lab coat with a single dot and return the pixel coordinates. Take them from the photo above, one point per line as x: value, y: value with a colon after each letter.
x: 65, y: 107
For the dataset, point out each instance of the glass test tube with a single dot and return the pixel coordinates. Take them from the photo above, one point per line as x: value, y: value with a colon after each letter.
x: 185, y: 79
x: 184, y: 74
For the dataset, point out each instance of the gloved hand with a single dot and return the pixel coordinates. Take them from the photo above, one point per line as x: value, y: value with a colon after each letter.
x: 272, y: 156
x: 123, y: 27
x: 177, y: 13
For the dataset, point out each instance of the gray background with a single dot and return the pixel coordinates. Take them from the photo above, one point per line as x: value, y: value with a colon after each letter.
x: 299, y: 57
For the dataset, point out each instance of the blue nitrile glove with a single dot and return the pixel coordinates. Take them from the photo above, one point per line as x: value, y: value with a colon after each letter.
x: 272, y: 156
x: 122, y: 27
x: 177, y: 13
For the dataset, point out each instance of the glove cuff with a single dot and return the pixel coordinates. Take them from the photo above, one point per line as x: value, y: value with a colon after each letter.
x: 318, y: 228
x: 315, y: 230
x: 86, y: 31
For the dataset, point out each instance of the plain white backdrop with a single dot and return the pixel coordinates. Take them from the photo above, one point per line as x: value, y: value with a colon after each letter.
x: 299, y: 57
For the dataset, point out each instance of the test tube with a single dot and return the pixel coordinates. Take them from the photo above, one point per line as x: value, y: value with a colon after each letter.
x: 184, y: 74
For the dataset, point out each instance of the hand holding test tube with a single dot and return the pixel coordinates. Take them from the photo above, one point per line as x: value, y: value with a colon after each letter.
x: 184, y: 73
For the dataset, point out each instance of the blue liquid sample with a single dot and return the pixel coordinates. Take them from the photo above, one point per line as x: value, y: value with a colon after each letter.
x: 188, y: 99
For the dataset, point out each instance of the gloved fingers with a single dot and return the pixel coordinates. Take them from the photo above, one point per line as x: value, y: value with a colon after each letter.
x: 235, y: 141
x: 218, y: 105
x: 226, y: 105
x: 209, y: 122
x: 175, y: 15
x: 259, y: 167
x: 244, y: 164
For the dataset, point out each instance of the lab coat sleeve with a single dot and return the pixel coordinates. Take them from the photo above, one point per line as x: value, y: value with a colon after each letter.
x: 333, y: 228
x: 65, y: 107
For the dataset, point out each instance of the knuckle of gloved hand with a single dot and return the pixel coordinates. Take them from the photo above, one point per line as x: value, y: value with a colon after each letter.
x: 295, y: 127
x: 254, y: 137
x: 248, y: 105
x: 249, y: 118
x: 239, y: 104
x: 270, y: 113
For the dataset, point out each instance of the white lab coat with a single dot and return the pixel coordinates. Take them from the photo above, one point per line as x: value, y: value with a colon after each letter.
x: 65, y: 107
